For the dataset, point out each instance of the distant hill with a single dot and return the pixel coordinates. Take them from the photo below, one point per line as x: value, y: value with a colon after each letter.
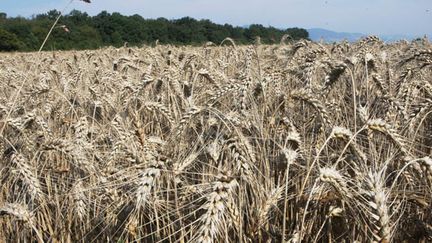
x: 316, y: 34
x: 390, y: 38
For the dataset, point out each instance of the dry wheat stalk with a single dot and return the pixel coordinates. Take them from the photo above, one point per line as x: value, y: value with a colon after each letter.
x: 146, y: 183
x: 130, y: 143
x: 79, y: 200
x: 22, y: 213
x: 334, y: 178
x: 28, y: 175
x: 377, y: 201
x: 215, y: 216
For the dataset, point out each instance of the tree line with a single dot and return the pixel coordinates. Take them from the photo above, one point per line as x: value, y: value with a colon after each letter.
x: 78, y: 30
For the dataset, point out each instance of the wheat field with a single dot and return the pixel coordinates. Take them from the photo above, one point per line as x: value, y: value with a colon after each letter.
x: 294, y: 142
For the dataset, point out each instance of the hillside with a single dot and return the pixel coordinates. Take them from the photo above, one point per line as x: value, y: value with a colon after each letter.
x: 318, y: 34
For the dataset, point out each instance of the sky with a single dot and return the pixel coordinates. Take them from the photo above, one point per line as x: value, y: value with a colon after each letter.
x: 381, y: 17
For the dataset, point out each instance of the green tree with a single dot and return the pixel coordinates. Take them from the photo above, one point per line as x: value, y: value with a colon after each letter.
x: 53, y: 14
x: 78, y: 30
x: 9, y: 41
x: 297, y: 33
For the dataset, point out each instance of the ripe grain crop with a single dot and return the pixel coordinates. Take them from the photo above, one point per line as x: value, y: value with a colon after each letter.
x: 292, y: 142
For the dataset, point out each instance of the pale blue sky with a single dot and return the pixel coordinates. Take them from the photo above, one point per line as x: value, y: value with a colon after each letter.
x: 411, y: 17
